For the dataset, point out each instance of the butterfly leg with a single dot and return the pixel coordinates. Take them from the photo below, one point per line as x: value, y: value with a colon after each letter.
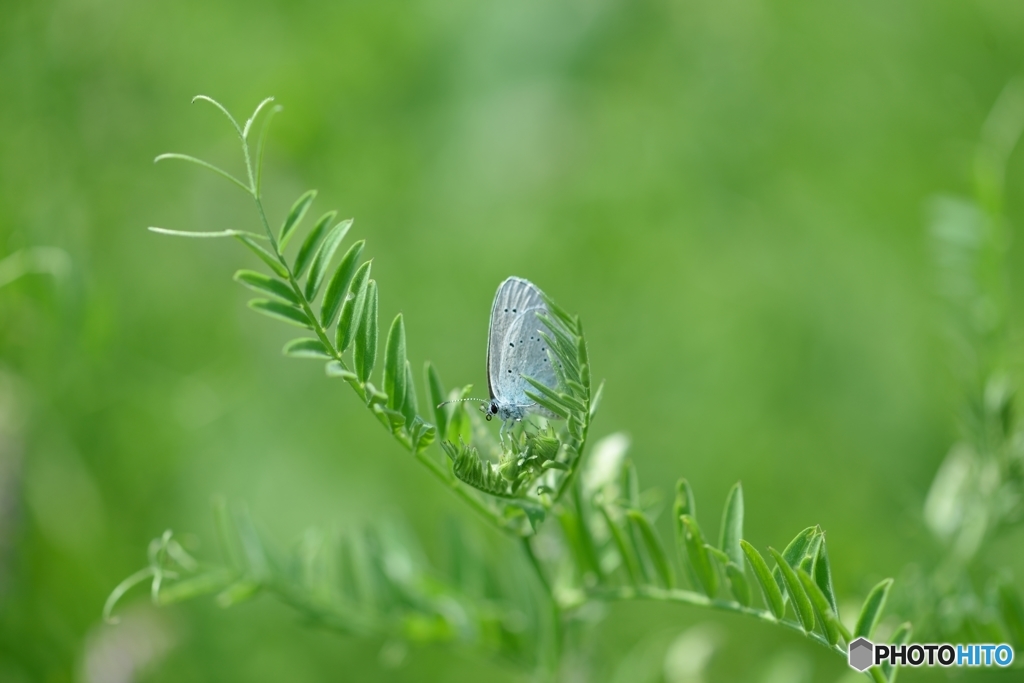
x: 501, y: 434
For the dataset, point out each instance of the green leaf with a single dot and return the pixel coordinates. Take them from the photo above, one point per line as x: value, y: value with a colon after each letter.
x: 738, y: 584
x: 353, y: 308
x: 421, y: 434
x: 552, y: 396
x: 195, y: 586
x: 581, y: 544
x: 281, y: 311
x: 801, y: 603
x: 560, y: 314
x: 267, y: 285
x: 308, y: 248
x: 595, y: 400
x: 826, y: 618
x: 572, y: 402
x: 375, y: 395
x: 536, y: 516
x: 693, y: 541
x: 631, y: 483
x: 392, y: 419
x: 1011, y: 609
x: 336, y: 369
x: 364, y: 354
x: 227, y: 537
x: 293, y: 219
x: 409, y: 407
x: 732, y: 526
x: 436, y: 394
x: 306, y: 347
x: 264, y: 255
x: 794, y: 553
x: 823, y: 576
x: 871, y: 612
x: 684, y: 505
x: 545, y: 402
x: 769, y: 586
x: 900, y: 637
x: 240, y: 591
x: 323, y: 257
x: 252, y: 547
x: 626, y: 552
x: 394, y: 364
x: 654, y: 548
x: 337, y: 286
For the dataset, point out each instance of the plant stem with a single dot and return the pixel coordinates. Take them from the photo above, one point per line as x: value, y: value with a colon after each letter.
x: 324, y: 338
x: 555, y: 654
x: 472, y: 500
x: 698, y: 600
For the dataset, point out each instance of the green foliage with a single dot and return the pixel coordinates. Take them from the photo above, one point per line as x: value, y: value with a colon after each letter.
x: 977, y: 495
x: 352, y: 583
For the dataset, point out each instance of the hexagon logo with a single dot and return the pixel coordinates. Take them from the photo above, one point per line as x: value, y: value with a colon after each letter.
x: 860, y: 654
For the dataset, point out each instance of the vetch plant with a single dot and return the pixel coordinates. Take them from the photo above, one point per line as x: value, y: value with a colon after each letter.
x: 587, y: 500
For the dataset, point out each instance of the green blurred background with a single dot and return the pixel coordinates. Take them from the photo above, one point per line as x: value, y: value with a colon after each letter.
x: 731, y: 194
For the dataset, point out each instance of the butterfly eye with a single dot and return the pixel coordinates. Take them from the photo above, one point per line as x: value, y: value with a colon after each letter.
x: 494, y: 409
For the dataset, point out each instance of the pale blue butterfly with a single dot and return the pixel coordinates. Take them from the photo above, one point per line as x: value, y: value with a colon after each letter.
x: 516, y: 350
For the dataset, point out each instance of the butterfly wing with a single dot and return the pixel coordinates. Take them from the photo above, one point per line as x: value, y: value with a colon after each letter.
x: 515, y: 349
x: 524, y: 354
x: 514, y: 297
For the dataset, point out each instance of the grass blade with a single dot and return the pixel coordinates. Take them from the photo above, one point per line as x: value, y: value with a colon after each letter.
x: 294, y: 218
x: 769, y: 586
x: 337, y: 286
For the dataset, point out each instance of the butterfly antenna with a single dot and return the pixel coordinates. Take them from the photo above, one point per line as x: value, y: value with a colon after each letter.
x: 462, y: 400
